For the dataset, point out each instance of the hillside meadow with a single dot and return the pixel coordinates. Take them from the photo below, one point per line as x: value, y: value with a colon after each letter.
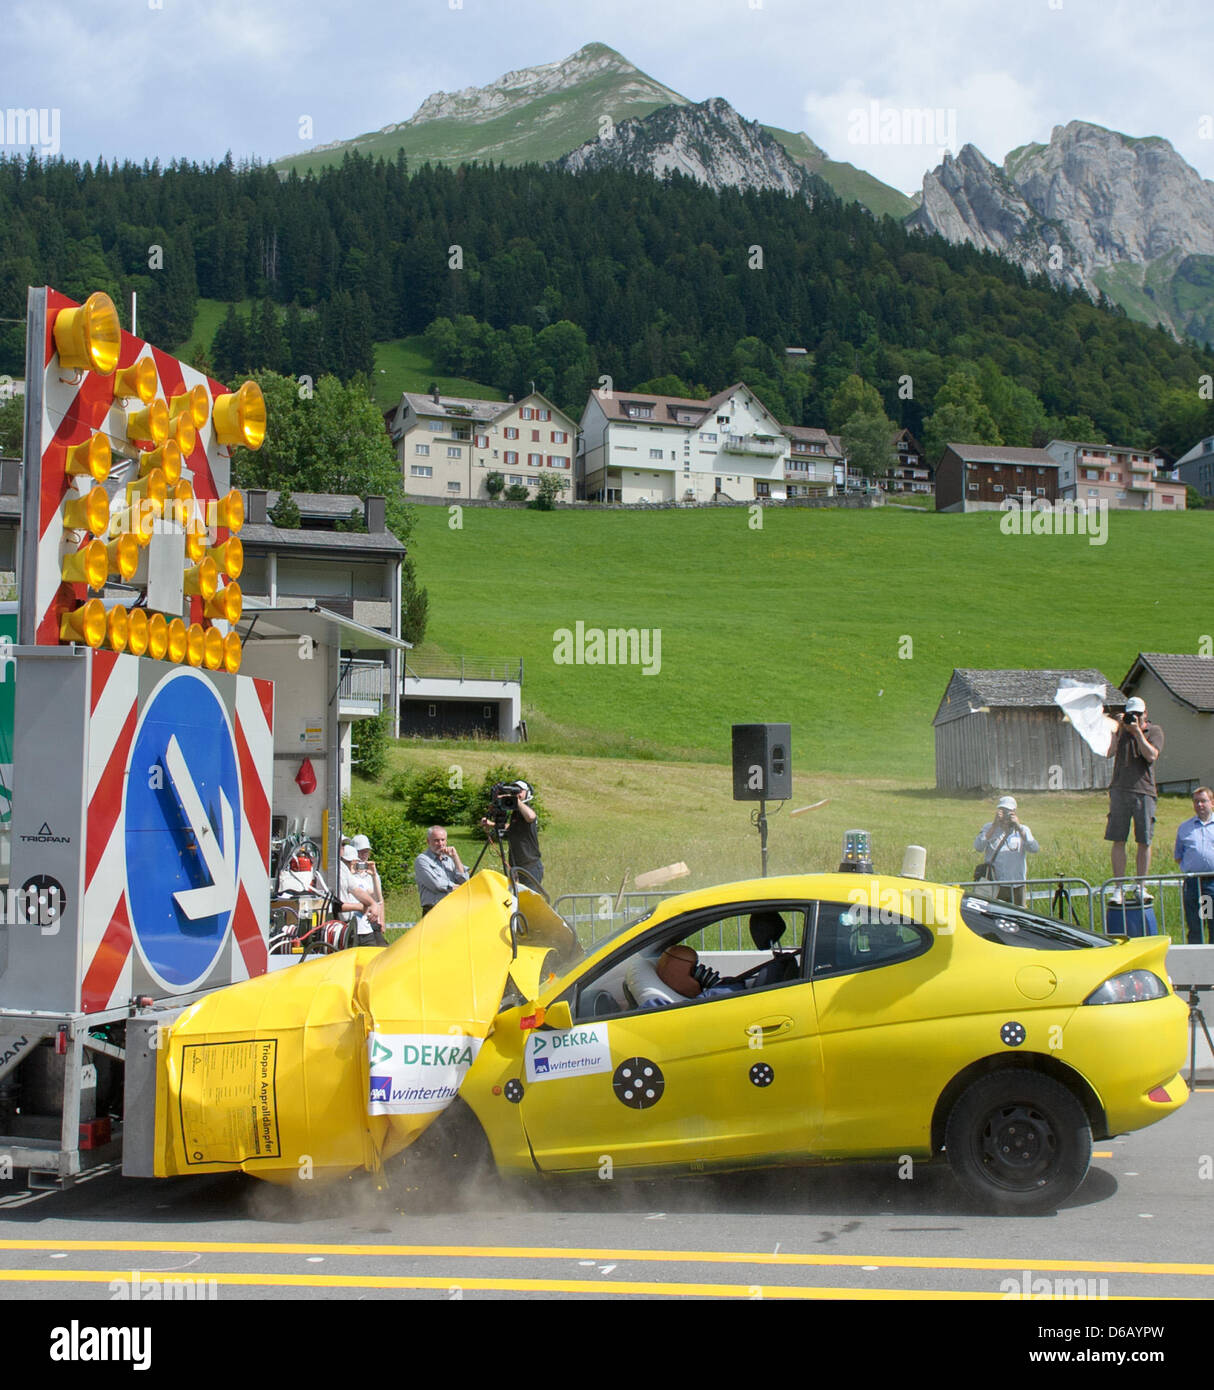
x: 846, y: 624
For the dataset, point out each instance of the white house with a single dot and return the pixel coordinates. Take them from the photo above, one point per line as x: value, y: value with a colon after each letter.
x: 638, y: 447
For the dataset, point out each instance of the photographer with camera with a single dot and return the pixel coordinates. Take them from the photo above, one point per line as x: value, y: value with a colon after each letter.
x: 357, y: 898
x: 515, y: 821
x: 438, y: 869
x: 1004, y: 843
x: 1135, y: 746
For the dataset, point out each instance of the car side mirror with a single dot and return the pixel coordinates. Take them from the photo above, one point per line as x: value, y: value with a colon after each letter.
x: 555, y: 1015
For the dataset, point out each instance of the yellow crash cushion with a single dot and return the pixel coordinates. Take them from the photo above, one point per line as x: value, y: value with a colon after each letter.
x: 339, y: 1062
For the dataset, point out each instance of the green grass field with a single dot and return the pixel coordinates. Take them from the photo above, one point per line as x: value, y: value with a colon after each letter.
x: 846, y: 624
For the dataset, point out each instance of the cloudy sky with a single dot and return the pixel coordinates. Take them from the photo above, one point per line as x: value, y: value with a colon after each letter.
x: 194, y: 78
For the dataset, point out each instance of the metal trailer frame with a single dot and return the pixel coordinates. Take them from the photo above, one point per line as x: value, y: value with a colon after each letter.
x: 57, y: 1162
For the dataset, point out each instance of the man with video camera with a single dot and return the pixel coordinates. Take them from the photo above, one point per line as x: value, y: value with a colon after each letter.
x: 515, y: 821
x: 1135, y: 746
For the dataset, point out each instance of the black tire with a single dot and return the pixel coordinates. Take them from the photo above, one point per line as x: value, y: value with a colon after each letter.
x: 1018, y: 1141
x: 451, y: 1161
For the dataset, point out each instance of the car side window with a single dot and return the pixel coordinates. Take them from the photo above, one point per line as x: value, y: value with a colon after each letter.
x: 851, y: 937
x: 682, y: 964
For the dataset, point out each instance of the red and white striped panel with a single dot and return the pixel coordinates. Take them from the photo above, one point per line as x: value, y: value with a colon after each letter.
x: 255, y: 754
x: 105, y: 925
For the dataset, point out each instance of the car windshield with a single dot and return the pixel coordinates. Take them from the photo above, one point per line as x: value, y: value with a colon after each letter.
x: 577, y: 924
x: 1007, y: 925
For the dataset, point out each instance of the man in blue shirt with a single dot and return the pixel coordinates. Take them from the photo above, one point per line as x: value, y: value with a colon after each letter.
x: 1194, y: 853
x: 438, y: 869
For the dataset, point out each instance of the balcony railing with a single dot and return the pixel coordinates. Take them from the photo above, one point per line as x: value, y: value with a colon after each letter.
x: 752, y: 444
x: 366, y: 682
x: 435, y: 666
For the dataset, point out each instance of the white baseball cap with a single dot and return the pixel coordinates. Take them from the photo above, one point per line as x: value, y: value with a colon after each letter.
x: 1135, y: 706
x: 524, y: 790
x: 349, y: 853
x: 1006, y: 803
x: 361, y: 842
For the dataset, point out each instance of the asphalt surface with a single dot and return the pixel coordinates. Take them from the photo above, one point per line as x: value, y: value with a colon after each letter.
x: 1140, y: 1228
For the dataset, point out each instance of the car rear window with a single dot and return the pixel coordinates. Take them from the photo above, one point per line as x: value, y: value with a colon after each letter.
x: 851, y: 937
x: 1007, y: 925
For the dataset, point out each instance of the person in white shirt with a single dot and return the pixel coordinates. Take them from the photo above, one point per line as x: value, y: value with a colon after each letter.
x: 367, y: 876
x: 1005, y: 842
x: 1194, y: 852
x: 356, y: 897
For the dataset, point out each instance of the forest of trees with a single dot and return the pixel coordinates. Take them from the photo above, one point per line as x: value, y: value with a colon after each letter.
x: 518, y: 275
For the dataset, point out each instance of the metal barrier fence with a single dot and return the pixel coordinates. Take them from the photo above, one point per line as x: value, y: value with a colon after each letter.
x: 1068, y: 899
x: 1163, y: 897
x: 595, y: 916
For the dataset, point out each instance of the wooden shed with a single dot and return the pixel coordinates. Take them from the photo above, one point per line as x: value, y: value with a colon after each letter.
x: 1002, y: 731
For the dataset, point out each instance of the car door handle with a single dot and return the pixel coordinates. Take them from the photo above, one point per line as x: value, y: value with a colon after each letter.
x: 770, y: 1027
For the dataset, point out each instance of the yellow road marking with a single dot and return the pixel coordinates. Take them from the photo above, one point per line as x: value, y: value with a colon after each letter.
x: 638, y: 1256
x: 1102, y: 1153
x: 591, y: 1286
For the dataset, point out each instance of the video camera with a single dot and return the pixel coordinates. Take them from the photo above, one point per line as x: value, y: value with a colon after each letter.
x: 503, y: 799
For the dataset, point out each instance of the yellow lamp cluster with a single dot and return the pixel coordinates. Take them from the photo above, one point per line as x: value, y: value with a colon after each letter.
x: 163, y: 434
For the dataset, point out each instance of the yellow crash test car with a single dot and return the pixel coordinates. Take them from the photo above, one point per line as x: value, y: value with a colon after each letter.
x: 885, y: 1017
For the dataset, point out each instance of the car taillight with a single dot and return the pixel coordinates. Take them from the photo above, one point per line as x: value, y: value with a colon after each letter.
x: 1130, y: 988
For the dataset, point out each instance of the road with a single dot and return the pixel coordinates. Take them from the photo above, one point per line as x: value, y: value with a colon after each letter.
x: 1138, y: 1228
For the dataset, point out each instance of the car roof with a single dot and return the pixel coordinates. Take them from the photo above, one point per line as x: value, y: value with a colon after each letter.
x: 833, y: 887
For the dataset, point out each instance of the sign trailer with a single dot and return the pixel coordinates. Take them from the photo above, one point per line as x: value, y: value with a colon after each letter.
x: 142, y: 759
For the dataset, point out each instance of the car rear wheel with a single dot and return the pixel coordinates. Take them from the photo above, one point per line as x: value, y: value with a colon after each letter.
x: 1018, y: 1141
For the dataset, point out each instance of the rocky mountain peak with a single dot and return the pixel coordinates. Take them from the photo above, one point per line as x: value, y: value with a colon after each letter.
x: 707, y: 141
x: 517, y: 89
x: 1095, y: 208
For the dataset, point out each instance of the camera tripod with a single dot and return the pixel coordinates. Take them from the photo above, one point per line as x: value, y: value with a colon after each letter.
x: 494, y: 838
x: 1197, y: 1019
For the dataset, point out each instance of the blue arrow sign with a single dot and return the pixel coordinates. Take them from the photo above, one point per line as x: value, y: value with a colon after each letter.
x: 182, y: 833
